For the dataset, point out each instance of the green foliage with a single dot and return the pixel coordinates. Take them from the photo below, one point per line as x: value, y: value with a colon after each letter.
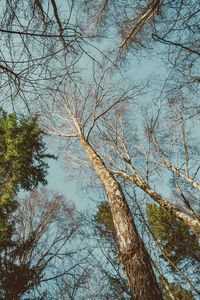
x: 22, y: 154
x: 22, y: 166
x: 178, y: 290
x: 177, y: 241
x: 103, y: 220
x: 104, y: 228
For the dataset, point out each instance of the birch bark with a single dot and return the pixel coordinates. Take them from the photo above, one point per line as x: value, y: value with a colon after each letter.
x: 187, y: 219
x: 134, y: 256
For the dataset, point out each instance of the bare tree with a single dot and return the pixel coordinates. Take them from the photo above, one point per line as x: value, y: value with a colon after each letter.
x: 36, y: 36
x: 112, y: 133
x: 63, y: 33
x: 46, y: 225
x: 76, y: 119
x: 137, y: 157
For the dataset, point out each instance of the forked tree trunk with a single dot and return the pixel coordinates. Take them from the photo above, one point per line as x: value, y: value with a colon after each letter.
x: 134, y: 257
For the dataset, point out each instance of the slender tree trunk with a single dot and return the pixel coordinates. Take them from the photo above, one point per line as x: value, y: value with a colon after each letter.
x: 192, y: 223
x: 134, y: 257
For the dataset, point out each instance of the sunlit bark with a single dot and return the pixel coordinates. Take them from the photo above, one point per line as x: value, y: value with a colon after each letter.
x: 134, y: 257
x: 187, y: 219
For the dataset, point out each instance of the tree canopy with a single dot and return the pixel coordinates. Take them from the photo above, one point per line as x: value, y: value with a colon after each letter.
x: 116, y: 86
x: 23, y: 167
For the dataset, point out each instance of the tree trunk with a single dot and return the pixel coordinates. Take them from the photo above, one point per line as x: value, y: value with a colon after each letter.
x: 192, y: 223
x: 134, y: 257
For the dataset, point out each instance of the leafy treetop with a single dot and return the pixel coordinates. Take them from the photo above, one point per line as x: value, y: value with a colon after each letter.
x: 22, y: 154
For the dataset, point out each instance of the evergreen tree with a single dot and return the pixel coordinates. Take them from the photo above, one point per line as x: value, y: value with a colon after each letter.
x: 179, y: 244
x: 22, y: 166
x: 178, y: 291
x: 174, y: 236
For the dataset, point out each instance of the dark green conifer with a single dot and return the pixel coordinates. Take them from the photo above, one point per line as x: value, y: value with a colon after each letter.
x: 22, y: 167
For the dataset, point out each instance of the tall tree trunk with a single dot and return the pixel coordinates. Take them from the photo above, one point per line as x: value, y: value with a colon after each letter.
x: 134, y: 257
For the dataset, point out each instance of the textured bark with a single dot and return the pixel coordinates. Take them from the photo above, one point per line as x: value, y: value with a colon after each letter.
x: 188, y: 220
x: 134, y: 257
x: 186, y: 178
